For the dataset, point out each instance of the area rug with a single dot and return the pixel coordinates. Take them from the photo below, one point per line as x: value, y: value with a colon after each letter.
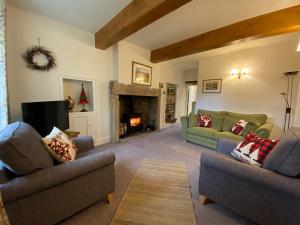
x: 158, y: 194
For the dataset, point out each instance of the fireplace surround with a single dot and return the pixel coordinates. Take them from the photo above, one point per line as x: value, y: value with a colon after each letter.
x: 135, y: 106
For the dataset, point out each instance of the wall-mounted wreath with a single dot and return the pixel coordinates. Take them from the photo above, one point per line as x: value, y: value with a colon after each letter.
x: 30, y: 58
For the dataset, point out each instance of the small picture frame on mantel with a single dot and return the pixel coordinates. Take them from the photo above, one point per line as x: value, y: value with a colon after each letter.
x: 212, y: 86
x: 141, y: 74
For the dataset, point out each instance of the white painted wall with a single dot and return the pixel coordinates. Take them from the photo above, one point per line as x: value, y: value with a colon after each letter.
x: 297, y: 107
x: 161, y: 73
x: 127, y: 54
x: 76, y: 57
x: 191, y: 75
x: 259, y: 92
x: 170, y: 74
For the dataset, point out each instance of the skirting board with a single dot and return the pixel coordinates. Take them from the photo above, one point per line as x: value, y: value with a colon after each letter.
x: 103, y: 140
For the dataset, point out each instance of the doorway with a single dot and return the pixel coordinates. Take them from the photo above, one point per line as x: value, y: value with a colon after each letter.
x: 191, y: 96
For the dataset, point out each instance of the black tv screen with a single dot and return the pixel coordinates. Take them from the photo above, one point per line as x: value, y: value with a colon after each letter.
x: 43, y: 116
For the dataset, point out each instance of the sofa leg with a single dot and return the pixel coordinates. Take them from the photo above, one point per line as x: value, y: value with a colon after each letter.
x: 204, y: 200
x: 110, y: 197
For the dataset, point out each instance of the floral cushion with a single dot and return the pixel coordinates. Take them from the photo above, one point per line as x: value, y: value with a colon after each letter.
x: 203, y: 121
x: 253, y: 149
x: 60, y: 146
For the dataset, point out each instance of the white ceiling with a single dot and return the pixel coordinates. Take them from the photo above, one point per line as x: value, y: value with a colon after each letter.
x: 196, y: 17
x: 87, y: 15
x: 191, y: 61
x: 200, y: 16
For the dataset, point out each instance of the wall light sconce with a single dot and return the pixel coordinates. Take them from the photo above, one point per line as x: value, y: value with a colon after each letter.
x: 298, y: 47
x: 239, y: 74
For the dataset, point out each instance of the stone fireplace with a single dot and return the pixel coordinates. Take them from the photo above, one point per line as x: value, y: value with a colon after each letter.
x: 134, y: 108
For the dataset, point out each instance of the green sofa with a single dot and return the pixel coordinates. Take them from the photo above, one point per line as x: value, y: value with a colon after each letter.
x: 222, y: 121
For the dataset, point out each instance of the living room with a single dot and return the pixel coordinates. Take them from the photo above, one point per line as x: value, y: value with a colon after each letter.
x: 134, y: 129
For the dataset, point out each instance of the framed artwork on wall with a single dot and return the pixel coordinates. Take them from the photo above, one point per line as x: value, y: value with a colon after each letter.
x: 171, y: 108
x: 171, y: 90
x: 141, y: 74
x: 212, y: 86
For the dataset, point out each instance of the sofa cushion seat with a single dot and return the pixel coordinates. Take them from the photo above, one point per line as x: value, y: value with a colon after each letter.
x: 202, y: 131
x: 228, y: 135
x: 87, y: 153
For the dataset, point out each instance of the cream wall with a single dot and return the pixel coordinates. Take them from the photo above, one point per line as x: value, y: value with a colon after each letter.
x: 297, y: 108
x: 191, y: 74
x: 127, y: 54
x: 161, y: 73
x: 75, y: 55
x: 259, y: 92
x: 171, y: 74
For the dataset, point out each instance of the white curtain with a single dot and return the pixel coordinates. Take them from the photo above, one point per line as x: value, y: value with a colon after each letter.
x: 3, y: 82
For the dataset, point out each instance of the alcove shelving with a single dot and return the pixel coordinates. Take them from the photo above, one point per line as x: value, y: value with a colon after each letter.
x: 72, y: 87
x: 82, y: 122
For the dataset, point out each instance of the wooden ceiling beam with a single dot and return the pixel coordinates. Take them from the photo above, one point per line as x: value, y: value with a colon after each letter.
x: 136, y: 15
x: 274, y: 23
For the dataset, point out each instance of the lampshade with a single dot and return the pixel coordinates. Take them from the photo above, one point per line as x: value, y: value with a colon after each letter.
x: 244, y: 71
x: 234, y: 72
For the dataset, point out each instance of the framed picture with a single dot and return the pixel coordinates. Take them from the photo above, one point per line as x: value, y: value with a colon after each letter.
x: 141, y: 74
x: 212, y: 86
x: 171, y: 108
x: 171, y: 90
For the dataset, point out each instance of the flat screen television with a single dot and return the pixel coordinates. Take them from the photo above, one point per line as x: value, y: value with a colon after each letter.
x: 43, y: 116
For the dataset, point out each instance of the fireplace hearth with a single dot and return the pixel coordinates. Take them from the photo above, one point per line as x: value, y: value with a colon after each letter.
x: 135, y: 109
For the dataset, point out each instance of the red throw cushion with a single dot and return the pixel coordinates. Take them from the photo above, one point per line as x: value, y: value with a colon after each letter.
x: 253, y: 149
x: 239, y: 127
x: 203, y: 121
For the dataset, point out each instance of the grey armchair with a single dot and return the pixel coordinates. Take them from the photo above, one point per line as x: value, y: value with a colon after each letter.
x: 264, y: 196
x: 47, y: 196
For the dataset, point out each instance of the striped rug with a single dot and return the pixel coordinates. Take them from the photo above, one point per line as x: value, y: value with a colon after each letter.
x: 158, y: 194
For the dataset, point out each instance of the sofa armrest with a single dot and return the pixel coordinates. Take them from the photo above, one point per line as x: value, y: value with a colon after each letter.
x: 251, y: 173
x: 184, y: 125
x: 84, y: 143
x: 264, y: 131
x: 40, y: 180
x: 226, y: 146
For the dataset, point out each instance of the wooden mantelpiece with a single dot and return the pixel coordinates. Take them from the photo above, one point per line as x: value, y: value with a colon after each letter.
x: 117, y: 89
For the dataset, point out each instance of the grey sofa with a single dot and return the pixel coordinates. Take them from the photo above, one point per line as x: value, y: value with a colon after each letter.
x: 269, y: 195
x: 48, y: 195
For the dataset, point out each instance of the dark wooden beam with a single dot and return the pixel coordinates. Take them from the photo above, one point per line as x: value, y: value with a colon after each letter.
x: 274, y: 23
x: 136, y: 15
